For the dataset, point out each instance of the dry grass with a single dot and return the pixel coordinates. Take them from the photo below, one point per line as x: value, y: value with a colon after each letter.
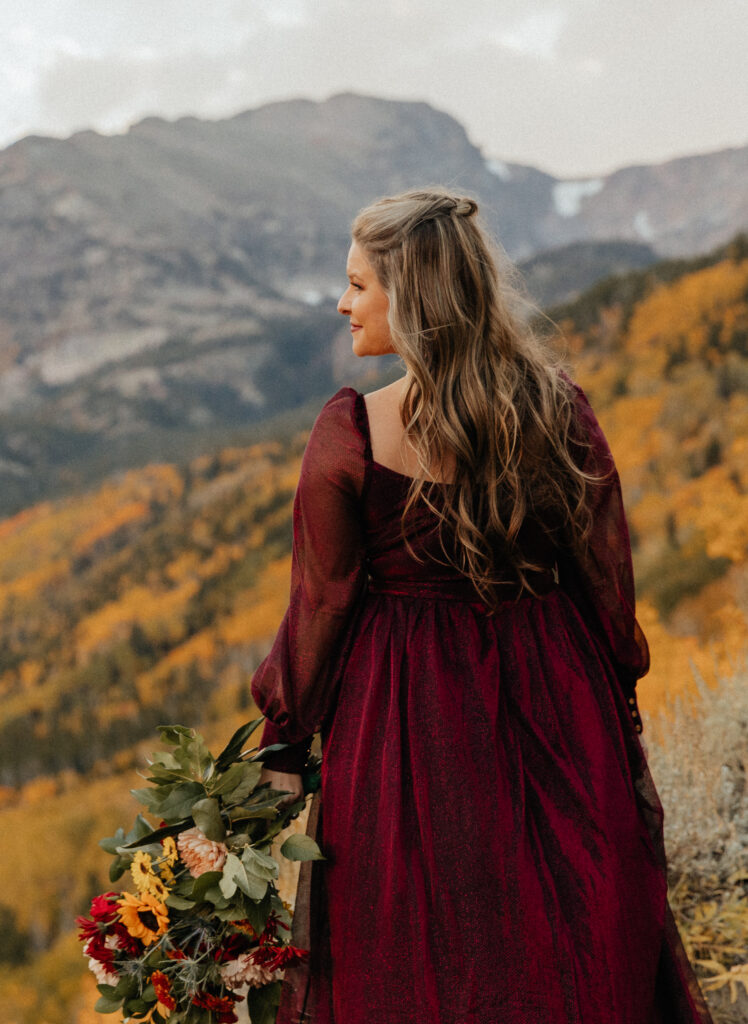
x: 699, y: 761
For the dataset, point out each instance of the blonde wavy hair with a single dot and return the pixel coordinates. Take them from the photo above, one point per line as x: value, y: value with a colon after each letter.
x: 485, y: 392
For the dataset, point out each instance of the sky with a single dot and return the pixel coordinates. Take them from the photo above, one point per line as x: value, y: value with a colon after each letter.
x: 575, y: 87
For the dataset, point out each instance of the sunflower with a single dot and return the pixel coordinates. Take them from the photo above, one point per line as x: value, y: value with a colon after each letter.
x: 144, y: 916
x: 158, y: 889
x: 170, y: 854
x: 142, y: 871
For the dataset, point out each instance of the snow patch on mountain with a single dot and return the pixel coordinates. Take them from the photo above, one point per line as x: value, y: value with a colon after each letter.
x: 500, y: 169
x: 643, y: 226
x: 568, y: 195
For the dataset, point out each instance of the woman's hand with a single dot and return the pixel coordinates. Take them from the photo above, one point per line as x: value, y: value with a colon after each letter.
x: 284, y: 780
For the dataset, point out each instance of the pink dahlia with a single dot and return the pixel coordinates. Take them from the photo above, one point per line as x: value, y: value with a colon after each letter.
x: 199, y: 853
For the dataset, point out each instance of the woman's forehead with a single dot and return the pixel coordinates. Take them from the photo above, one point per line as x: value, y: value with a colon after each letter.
x: 357, y: 262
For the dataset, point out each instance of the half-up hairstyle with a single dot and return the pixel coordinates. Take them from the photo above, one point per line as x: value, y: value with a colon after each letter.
x: 485, y: 393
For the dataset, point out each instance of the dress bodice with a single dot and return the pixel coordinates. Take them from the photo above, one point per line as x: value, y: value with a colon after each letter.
x: 391, y: 564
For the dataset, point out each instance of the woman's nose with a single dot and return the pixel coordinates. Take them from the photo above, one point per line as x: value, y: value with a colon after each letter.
x: 343, y: 305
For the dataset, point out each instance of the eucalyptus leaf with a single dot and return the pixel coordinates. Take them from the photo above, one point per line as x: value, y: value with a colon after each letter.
x: 206, y: 814
x: 110, y: 843
x: 126, y: 987
x: 301, y: 847
x: 228, y: 881
x: 236, y: 875
x: 259, y: 863
x: 138, y: 1005
x: 107, y: 1004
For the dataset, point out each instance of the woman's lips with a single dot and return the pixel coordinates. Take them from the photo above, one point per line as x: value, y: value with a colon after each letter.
x: 355, y: 327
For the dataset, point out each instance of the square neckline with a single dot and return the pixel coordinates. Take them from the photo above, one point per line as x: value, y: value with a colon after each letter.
x: 362, y: 420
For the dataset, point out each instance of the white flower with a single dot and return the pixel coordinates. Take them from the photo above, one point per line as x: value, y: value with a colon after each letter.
x: 101, y: 973
x: 242, y: 971
x: 199, y: 853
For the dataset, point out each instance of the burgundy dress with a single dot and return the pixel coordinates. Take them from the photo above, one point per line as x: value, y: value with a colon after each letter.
x: 492, y: 834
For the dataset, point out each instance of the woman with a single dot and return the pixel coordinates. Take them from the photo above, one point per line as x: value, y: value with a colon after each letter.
x: 461, y: 631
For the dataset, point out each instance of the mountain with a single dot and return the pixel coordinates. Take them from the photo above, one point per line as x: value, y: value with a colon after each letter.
x: 141, y: 598
x: 163, y: 289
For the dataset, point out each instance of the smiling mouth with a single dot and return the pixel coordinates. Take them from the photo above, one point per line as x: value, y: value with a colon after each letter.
x: 355, y: 327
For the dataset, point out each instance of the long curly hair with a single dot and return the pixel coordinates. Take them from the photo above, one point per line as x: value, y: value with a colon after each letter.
x: 485, y: 392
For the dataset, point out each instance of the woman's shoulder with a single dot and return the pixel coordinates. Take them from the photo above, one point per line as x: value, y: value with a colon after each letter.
x: 338, y: 437
x: 341, y: 413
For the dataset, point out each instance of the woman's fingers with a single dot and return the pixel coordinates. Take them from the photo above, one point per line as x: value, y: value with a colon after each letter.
x: 288, y: 781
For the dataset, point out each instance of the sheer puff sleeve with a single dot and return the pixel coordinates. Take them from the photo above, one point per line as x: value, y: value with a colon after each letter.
x: 601, y: 579
x: 294, y: 687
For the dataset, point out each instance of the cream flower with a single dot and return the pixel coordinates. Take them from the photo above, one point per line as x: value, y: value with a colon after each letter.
x: 199, y: 853
x: 236, y: 973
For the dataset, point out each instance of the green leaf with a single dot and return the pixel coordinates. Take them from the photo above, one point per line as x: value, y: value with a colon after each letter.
x: 158, y: 834
x: 216, y: 897
x: 237, y: 782
x: 178, y: 804
x: 126, y: 987
x: 228, y: 881
x: 203, y: 882
x: 259, y: 863
x: 206, y: 814
x: 233, y: 748
x: 250, y: 885
x: 150, y: 797
x: 236, y: 875
x: 174, y: 733
x: 257, y: 913
x: 165, y: 759
x: 118, y: 867
x: 301, y: 847
x: 139, y: 1005
x: 107, y: 1004
x: 111, y: 843
x: 262, y: 1003
x: 177, y: 902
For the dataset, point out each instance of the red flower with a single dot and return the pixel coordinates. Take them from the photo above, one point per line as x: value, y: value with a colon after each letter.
x: 104, y: 907
x: 162, y: 985
x: 275, y: 958
x: 232, y: 948
x: 270, y: 931
x: 103, y: 912
x: 97, y: 949
x: 222, y: 1006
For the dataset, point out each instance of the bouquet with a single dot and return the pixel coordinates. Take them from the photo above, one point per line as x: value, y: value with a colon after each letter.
x: 203, y: 920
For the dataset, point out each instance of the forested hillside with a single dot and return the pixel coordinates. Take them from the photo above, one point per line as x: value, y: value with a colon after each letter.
x: 152, y: 598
